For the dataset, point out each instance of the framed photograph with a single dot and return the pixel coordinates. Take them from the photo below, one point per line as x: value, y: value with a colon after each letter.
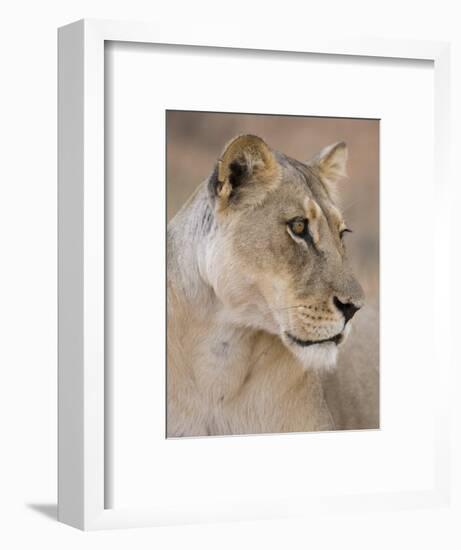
x: 253, y: 275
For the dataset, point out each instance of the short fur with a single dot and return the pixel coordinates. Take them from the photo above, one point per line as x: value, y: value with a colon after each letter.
x: 245, y: 293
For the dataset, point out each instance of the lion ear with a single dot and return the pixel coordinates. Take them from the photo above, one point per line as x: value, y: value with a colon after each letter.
x: 331, y: 163
x: 244, y: 171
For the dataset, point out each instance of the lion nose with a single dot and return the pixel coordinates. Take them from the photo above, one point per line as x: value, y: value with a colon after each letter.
x: 348, y: 309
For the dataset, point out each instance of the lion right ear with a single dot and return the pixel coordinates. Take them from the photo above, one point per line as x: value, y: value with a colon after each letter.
x: 331, y: 163
x: 244, y: 172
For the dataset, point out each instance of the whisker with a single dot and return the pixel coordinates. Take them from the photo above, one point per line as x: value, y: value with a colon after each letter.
x: 290, y: 307
x: 270, y: 313
x: 346, y: 208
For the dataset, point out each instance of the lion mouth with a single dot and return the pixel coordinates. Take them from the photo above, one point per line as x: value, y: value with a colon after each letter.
x: 337, y: 339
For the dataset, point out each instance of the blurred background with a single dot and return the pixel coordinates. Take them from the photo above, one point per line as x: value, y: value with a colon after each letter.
x: 195, y: 141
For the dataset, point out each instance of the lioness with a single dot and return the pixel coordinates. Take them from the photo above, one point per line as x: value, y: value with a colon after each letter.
x: 260, y: 294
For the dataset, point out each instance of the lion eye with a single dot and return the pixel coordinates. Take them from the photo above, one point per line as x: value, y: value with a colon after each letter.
x: 299, y: 227
x: 343, y: 231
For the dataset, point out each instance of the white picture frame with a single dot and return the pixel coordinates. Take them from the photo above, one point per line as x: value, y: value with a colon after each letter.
x: 82, y: 475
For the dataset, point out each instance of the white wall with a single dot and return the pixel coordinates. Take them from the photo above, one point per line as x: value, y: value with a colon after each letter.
x: 28, y: 271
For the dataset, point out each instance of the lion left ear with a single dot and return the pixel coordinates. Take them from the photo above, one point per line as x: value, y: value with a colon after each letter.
x: 244, y: 172
x: 331, y: 162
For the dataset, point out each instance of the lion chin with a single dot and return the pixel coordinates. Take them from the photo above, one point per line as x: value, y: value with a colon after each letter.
x: 319, y: 356
x: 322, y: 356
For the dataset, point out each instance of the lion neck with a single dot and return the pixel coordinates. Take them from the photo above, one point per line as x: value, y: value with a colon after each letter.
x: 204, y: 334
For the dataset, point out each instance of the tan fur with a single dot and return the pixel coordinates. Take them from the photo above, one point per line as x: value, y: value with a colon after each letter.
x: 240, y: 283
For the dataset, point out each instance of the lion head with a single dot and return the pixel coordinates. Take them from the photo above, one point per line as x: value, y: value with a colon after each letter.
x: 277, y: 258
